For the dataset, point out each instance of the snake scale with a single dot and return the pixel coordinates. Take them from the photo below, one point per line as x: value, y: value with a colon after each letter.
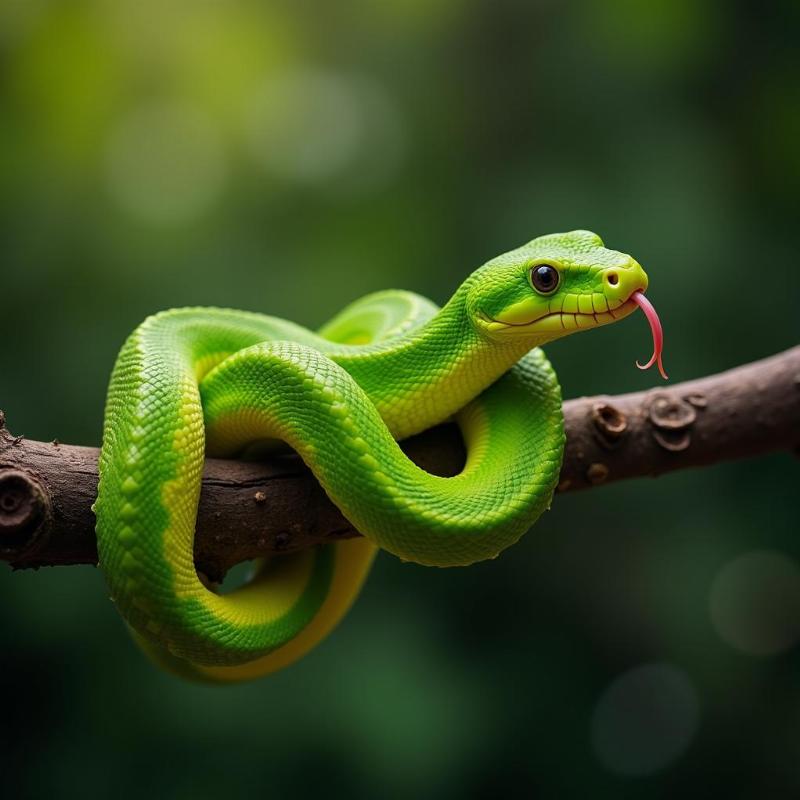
x: 196, y: 381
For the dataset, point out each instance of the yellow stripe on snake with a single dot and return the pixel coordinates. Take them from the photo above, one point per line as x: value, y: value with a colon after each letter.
x: 202, y: 380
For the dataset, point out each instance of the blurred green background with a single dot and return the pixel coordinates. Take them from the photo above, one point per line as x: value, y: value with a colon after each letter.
x: 290, y: 156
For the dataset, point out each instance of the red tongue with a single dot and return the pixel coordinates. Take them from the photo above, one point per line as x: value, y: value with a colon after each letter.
x: 655, y: 329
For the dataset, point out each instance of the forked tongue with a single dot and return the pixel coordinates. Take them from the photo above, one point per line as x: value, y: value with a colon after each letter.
x: 655, y: 329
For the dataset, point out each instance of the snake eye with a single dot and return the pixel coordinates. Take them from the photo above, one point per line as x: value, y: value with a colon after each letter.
x: 544, y: 278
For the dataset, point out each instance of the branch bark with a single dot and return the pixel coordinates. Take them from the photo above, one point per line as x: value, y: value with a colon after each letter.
x: 249, y: 510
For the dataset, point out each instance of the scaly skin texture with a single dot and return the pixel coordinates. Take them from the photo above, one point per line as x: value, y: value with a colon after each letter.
x: 191, y: 381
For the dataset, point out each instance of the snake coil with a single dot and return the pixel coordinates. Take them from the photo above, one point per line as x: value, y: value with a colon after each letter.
x: 203, y: 380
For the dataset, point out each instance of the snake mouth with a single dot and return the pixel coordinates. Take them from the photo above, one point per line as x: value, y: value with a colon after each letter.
x: 560, y: 323
x: 557, y: 323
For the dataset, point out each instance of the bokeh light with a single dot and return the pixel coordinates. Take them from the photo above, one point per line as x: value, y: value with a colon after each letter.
x: 645, y: 719
x: 166, y: 163
x: 755, y: 603
x: 312, y: 126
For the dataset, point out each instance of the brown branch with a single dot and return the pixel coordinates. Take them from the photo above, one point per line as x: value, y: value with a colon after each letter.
x: 248, y: 510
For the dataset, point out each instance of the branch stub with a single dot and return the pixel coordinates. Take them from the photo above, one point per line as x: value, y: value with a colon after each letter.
x: 24, y: 508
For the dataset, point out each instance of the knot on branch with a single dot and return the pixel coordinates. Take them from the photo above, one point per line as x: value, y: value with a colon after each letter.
x: 24, y: 509
x: 672, y: 419
x: 597, y: 473
x: 609, y: 422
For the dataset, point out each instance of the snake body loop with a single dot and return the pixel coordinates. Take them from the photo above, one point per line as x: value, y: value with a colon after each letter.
x: 202, y: 380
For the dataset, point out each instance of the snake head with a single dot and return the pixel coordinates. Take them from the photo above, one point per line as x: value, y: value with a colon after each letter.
x: 553, y: 286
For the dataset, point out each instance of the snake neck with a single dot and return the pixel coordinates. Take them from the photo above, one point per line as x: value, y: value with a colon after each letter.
x: 427, y: 376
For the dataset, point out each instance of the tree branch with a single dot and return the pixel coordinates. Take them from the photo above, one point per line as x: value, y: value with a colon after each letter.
x: 249, y: 510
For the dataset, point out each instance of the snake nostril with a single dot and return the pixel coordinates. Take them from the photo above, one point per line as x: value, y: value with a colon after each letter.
x: 612, y: 278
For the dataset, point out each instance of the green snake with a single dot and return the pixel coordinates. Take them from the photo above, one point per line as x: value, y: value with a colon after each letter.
x: 196, y: 381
